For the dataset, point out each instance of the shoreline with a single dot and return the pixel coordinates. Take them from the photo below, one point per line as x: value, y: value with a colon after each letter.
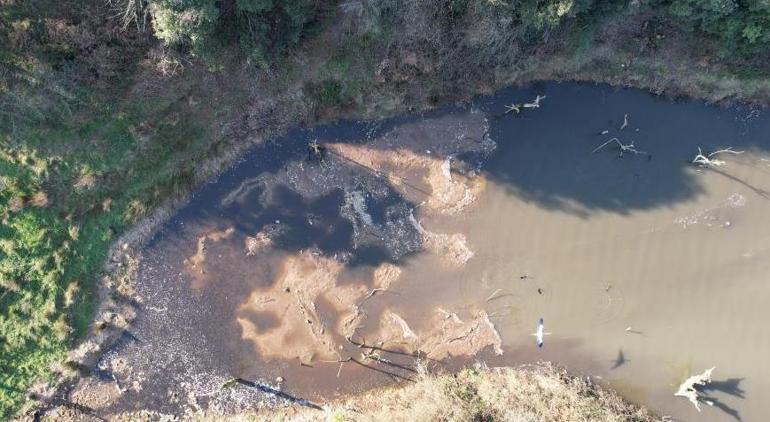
x: 114, y: 316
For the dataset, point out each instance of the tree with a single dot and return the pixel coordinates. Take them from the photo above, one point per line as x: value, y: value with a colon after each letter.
x: 262, y: 28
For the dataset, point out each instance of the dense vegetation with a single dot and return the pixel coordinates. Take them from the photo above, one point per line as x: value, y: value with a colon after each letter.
x: 85, y: 152
x: 733, y: 27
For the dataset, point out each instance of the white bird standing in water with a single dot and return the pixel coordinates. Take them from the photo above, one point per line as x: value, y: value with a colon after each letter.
x: 540, y: 333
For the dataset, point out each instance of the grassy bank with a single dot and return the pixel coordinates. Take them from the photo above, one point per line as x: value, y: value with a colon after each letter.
x: 536, y: 393
x: 101, y: 124
x: 90, y: 143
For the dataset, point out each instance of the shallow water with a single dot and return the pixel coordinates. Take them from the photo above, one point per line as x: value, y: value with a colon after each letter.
x: 645, y: 268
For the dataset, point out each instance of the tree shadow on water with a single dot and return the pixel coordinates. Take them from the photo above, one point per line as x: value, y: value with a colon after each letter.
x: 545, y: 155
x: 731, y: 387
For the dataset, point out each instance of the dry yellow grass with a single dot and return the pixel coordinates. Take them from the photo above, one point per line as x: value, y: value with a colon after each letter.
x: 534, y: 393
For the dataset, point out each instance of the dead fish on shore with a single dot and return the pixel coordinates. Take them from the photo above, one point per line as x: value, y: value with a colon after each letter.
x: 540, y: 333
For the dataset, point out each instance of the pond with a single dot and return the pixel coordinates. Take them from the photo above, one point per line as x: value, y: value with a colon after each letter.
x: 324, y: 261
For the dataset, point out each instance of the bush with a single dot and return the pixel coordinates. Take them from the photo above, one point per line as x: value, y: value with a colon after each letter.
x: 741, y: 27
x: 326, y: 93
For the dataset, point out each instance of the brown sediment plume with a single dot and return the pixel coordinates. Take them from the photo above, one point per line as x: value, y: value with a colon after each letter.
x: 292, y: 299
x: 307, y: 333
x: 447, y: 335
x: 444, y: 192
x: 454, y: 337
x: 195, y: 264
x: 304, y: 332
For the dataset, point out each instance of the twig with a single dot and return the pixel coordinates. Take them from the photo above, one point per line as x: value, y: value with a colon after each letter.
x: 492, y: 296
x: 625, y: 122
x: 369, y: 295
x: 513, y: 108
x: 623, y: 147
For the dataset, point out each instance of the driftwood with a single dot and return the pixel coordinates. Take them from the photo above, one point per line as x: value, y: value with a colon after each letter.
x: 687, y: 389
x: 625, y: 122
x: 710, y: 159
x: 516, y: 108
x: 535, y: 103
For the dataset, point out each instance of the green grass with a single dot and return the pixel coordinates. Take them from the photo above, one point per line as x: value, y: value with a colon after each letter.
x: 69, y: 188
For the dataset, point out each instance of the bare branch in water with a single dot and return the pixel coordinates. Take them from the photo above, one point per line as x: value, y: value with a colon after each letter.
x: 516, y: 108
x: 687, y: 388
x: 623, y: 147
x: 535, y: 103
x: 710, y: 160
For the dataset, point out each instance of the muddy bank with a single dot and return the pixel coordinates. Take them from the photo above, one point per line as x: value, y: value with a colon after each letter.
x: 537, y: 392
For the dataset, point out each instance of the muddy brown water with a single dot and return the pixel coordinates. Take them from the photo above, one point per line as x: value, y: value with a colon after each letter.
x: 646, y: 268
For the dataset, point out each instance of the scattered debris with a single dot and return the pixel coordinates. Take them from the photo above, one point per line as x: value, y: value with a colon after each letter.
x: 316, y: 150
x: 446, y: 192
x: 687, y: 388
x: 257, y: 243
